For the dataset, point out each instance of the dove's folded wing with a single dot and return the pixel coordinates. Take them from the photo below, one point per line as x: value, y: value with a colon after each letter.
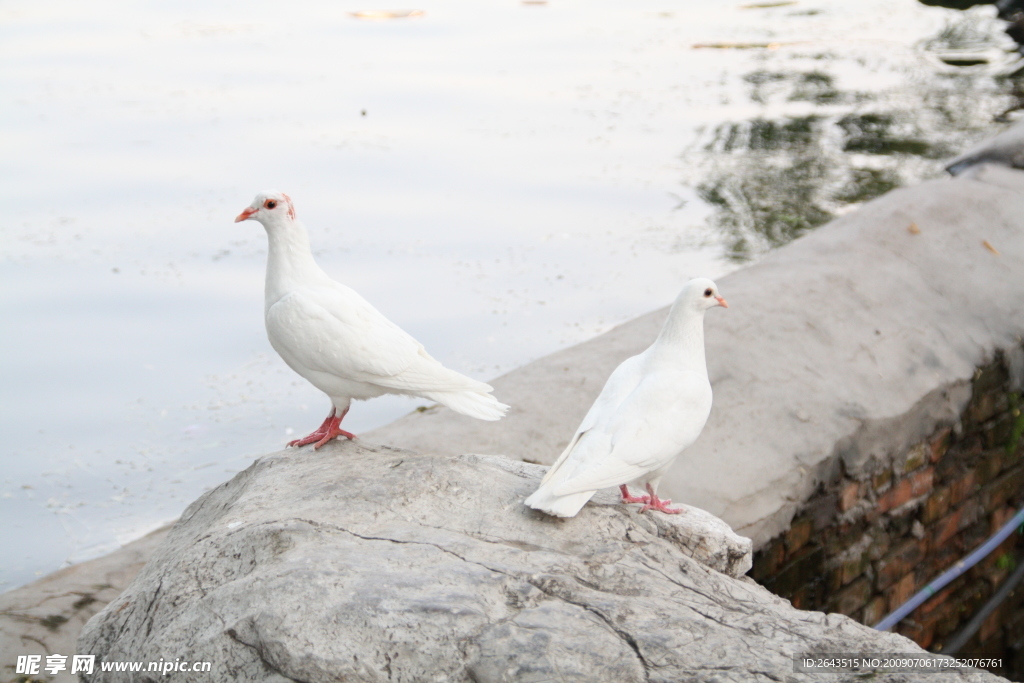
x: 339, y: 333
x: 620, y: 384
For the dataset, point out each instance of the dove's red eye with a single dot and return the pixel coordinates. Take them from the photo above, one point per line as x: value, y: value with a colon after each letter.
x: 707, y: 292
x: 270, y: 203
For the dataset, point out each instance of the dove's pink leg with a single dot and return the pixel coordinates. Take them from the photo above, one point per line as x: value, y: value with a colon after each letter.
x: 658, y: 504
x: 325, y: 432
x: 626, y: 498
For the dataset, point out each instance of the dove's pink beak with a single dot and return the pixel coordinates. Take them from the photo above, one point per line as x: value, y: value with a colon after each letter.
x: 722, y: 302
x: 245, y: 214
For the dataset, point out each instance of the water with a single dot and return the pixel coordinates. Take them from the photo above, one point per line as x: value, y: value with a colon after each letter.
x: 500, y: 179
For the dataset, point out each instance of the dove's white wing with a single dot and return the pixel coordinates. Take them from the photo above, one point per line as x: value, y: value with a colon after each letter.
x: 333, y: 330
x: 337, y: 332
x: 620, y: 384
x: 661, y: 417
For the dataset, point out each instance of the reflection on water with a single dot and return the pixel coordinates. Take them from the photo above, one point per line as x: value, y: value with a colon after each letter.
x: 773, y: 178
x: 501, y: 180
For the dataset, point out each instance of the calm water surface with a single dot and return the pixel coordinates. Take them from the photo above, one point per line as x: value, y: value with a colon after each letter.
x: 500, y: 179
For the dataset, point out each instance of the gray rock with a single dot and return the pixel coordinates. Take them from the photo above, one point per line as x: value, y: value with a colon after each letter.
x: 362, y: 563
x: 46, y: 616
x: 1006, y: 149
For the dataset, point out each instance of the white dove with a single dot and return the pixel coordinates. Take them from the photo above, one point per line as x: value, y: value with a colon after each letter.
x: 653, y: 406
x: 335, y: 339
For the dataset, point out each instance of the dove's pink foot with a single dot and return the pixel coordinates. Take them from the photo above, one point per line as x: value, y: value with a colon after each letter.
x: 627, y: 498
x: 658, y: 504
x: 330, y: 429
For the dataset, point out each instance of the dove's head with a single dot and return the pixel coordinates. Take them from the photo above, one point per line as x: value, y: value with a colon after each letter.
x: 270, y: 208
x: 701, y: 294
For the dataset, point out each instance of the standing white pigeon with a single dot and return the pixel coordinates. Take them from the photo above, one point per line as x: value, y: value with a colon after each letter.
x: 653, y: 406
x: 334, y: 338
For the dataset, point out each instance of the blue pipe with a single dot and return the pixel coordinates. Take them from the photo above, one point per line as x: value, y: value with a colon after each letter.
x: 953, y: 572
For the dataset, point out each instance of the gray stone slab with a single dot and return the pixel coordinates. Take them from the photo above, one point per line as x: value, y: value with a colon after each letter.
x: 361, y: 563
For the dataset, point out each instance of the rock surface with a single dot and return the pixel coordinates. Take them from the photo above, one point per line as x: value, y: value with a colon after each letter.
x: 851, y: 343
x: 361, y: 563
x: 46, y: 616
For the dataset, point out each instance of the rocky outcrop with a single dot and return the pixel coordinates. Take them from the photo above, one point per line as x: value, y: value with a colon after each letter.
x: 367, y: 563
x: 46, y: 616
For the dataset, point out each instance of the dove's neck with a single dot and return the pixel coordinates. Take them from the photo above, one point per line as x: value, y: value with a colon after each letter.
x: 290, y: 261
x: 681, y: 341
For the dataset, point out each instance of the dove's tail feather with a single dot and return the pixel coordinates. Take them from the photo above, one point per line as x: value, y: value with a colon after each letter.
x: 544, y: 498
x: 560, y: 506
x: 476, y: 404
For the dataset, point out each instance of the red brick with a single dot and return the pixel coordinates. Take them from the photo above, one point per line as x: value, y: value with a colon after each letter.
x: 901, y: 591
x: 851, y: 569
x: 849, y: 496
x: 939, y: 444
x: 921, y: 481
x: 895, y: 497
x: 940, y: 558
x: 880, y: 543
x: 937, y: 600
x: 906, y: 489
x: 834, y: 580
x: 799, y: 533
x: 920, y: 634
x: 768, y: 561
x: 973, y: 526
x: 875, y: 610
x: 962, y: 488
x: 946, y: 528
x: 936, y: 506
x: 996, y: 494
x: 947, y: 616
x: 881, y: 480
x: 1000, y: 517
x: 852, y: 598
x: 899, y: 562
x: 805, y: 566
x: 990, y: 465
x: 801, y: 598
x: 916, y: 457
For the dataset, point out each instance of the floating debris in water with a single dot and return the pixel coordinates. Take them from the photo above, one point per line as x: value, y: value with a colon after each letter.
x: 745, y: 46
x: 766, y: 5
x: 378, y: 14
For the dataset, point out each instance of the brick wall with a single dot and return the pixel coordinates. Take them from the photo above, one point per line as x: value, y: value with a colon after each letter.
x: 863, y: 546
